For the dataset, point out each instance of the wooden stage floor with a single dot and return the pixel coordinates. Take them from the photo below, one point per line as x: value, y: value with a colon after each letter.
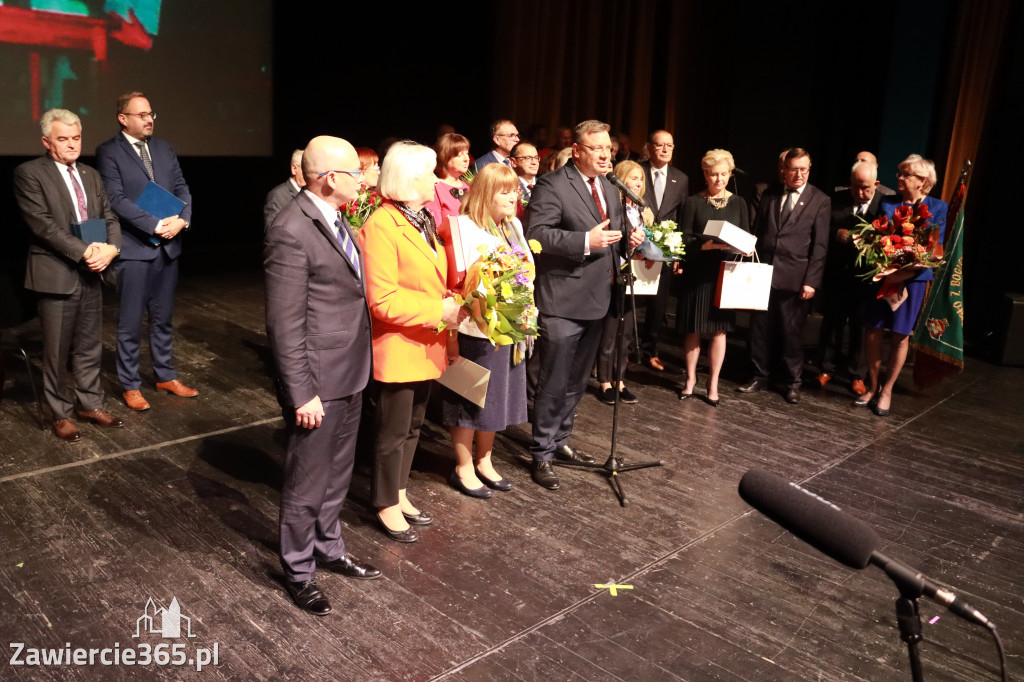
x: 182, y: 504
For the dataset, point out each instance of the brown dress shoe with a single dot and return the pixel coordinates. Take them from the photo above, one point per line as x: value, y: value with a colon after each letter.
x: 135, y: 400
x: 65, y: 429
x: 100, y: 418
x: 655, y: 363
x: 824, y: 378
x: 858, y: 387
x: 177, y: 388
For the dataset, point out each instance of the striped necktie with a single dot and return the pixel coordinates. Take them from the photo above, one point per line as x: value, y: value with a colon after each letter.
x: 347, y: 246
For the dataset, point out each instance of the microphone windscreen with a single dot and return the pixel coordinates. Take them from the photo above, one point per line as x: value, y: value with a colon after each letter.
x: 813, y: 519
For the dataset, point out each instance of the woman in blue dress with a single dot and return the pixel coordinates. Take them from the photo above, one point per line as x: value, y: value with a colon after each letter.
x: 914, y: 180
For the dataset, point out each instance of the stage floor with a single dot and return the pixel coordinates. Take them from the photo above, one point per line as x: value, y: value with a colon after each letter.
x: 182, y: 505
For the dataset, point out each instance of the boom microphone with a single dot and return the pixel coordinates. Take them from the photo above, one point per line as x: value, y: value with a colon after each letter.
x: 614, y: 179
x: 813, y: 519
x: 845, y: 538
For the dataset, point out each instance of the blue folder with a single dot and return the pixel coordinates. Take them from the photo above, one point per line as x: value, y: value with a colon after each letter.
x: 91, y: 230
x: 157, y: 201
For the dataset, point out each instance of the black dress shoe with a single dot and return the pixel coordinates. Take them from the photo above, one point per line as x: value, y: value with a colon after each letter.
x: 793, y: 396
x: 407, y: 535
x: 752, y: 387
x: 544, y: 475
x: 351, y: 567
x: 627, y: 396
x: 501, y: 484
x: 607, y: 396
x: 308, y: 596
x: 421, y: 519
x: 483, y: 492
x: 565, y: 453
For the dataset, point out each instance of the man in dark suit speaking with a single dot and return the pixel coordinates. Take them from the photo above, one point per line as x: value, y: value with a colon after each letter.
x: 147, y: 271
x: 792, y: 227
x: 319, y: 330
x: 576, y: 215
x: 53, y: 192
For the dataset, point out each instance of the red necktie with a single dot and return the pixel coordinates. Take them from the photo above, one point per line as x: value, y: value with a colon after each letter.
x: 597, y: 198
x: 83, y: 211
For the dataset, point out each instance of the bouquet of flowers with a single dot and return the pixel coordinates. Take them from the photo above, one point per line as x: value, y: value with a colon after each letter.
x: 360, y: 208
x: 906, y: 242
x: 498, y: 291
x: 667, y: 237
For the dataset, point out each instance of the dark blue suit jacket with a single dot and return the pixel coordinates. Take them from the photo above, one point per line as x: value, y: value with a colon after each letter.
x: 562, y: 212
x: 124, y: 177
x: 489, y: 157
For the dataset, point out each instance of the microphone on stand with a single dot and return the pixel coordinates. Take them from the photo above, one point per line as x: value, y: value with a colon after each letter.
x: 637, y: 201
x: 845, y: 538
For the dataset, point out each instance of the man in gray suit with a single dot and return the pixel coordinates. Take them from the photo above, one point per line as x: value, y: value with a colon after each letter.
x: 53, y: 193
x: 279, y: 197
x: 319, y: 330
x: 576, y: 215
x: 667, y: 189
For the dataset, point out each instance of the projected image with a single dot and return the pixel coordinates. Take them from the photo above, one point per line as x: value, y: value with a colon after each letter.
x: 197, y: 62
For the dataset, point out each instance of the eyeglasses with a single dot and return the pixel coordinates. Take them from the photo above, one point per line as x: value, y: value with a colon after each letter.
x: 663, y: 145
x: 143, y: 115
x: 904, y: 174
x: 527, y: 158
x: 597, y: 150
x: 798, y: 171
x: 354, y: 174
x: 514, y: 136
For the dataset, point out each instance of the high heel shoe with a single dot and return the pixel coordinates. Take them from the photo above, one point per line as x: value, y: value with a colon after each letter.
x: 685, y: 396
x: 407, y: 535
x: 879, y: 412
x: 713, y: 402
x: 864, y: 400
x: 501, y: 484
x: 483, y: 492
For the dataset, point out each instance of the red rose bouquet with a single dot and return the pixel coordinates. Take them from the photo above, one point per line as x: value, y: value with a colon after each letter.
x: 360, y: 208
x: 902, y: 244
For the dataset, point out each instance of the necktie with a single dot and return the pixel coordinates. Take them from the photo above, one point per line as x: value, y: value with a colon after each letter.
x: 787, y: 205
x: 83, y: 210
x: 146, y: 160
x: 597, y: 198
x: 659, y: 185
x: 347, y: 246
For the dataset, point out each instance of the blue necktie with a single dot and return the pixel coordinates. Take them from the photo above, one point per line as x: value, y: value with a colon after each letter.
x: 347, y: 246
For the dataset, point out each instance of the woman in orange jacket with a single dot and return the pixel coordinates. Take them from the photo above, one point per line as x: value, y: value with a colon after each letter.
x: 406, y: 272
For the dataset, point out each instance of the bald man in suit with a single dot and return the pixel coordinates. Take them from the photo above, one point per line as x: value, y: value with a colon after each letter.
x: 318, y: 325
x: 54, y: 192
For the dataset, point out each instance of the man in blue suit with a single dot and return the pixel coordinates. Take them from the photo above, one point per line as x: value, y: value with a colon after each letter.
x: 577, y: 217
x: 505, y: 135
x: 147, y: 272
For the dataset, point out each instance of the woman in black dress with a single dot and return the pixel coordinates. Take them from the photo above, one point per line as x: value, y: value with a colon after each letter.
x: 698, y: 314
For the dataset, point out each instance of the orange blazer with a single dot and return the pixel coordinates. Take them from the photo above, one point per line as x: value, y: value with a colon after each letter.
x: 405, y: 284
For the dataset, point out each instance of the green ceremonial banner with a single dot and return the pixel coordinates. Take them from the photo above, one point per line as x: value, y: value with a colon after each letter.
x: 939, y: 337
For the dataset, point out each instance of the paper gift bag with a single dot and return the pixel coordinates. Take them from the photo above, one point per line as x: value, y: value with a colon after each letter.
x: 744, y: 285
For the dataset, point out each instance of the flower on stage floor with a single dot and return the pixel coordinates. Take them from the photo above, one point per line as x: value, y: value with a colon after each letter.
x: 360, y: 208
x: 498, y: 291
